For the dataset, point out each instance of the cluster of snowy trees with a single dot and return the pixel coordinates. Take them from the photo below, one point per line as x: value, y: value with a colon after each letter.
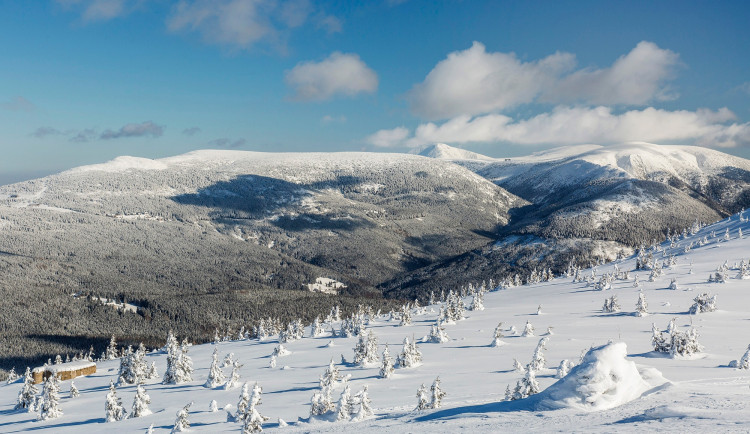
x: 675, y: 342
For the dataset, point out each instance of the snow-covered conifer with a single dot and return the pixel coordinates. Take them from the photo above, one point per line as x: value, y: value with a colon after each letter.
x: 527, y: 386
x: 272, y: 362
x: 673, y: 284
x: 563, y: 369
x: 140, y: 403
x: 497, y: 336
x: 405, y: 315
x: 50, y: 407
x: 517, y: 366
x: 538, y: 361
x: 477, y: 300
x: 152, y: 372
x: 253, y: 420
x: 611, y: 304
x: 636, y: 282
x: 410, y: 355
x: 27, y: 394
x: 371, y: 350
x: 58, y: 359
x: 437, y: 332
x: 360, y: 350
x: 386, y: 366
x: 321, y: 401
x: 528, y: 330
x: 181, y: 424
x: 74, y: 393
x: 508, y: 393
x: 234, y: 377
x: 113, y: 406
x: 184, y: 365
x: 215, y: 374
x: 539, y: 310
x: 344, y: 406
x: 213, y: 406
x: 316, y: 329
x: 703, y: 303
x: 437, y: 394
x: 12, y: 376
x: 365, y: 404
x: 111, y: 352
x: 423, y: 400
x: 641, y: 307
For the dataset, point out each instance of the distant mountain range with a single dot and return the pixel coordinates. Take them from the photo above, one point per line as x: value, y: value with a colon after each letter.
x: 218, y: 238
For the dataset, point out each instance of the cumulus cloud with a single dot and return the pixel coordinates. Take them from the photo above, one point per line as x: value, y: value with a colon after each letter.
x: 338, y: 74
x: 576, y: 125
x: 474, y: 81
x: 18, y: 104
x: 243, y: 23
x: 191, y: 131
x: 101, y: 10
x: 389, y: 138
x: 147, y: 128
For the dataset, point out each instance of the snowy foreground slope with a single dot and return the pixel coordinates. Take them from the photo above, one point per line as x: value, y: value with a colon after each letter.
x: 646, y: 390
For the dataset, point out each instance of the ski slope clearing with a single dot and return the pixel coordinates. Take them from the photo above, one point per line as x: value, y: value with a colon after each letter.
x: 622, y: 386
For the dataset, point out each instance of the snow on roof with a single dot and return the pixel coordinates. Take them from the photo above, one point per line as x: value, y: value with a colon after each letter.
x: 62, y: 367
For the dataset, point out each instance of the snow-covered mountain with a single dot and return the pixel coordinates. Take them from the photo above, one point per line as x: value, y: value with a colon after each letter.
x: 624, y: 386
x: 446, y: 152
x: 212, y: 237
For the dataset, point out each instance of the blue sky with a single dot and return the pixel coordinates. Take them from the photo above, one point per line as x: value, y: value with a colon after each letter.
x: 84, y: 81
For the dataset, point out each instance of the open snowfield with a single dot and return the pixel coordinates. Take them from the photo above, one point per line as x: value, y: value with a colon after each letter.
x: 696, y: 394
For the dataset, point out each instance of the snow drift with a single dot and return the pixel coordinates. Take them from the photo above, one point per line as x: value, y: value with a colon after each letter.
x: 605, y: 379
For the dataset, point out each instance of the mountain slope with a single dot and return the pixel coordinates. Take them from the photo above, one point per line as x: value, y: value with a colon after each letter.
x: 682, y: 394
x: 218, y: 237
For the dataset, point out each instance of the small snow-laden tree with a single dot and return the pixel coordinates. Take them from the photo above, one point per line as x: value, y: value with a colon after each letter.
x: 50, y: 407
x: 74, y: 393
x: 360, y: 350
x: 405, y: 315
x: 152, y: 372
x: 538, y: 361
x: 423, y: 399
x: 182, y: 424
x: 140, y: 403
x: 703, y: 303
x: 371, y: 353
x: 213, y: 406
x: 111, y: 352
x: 658, y: 341
x: 386, y: 365
x: 242, y: 334
x: 12, y: 376
x: 641, y: 307
x: 173, y: 353
x: 58, y: 359
x: 527, y: 386
x: 636, y: 282
x: 410, y: 355
x: 316, y: 328
x: 243, y: 404
x: 744, y: 362
x: 673, y: 284
x: 539, y: 310
x: 611, y: 304
x: 365, y: 404
x: 437, y: 332
x: 344, y: 407
x: 517, y: 366
x: 432, y: 300
x: 272, y: 362
x: 184, y: 365
x: 497, y: 336
x: 563, y: 368
x: 477, y: 300
x: 132, y: 369
x: 114, y: 411
x: 508, y: 393
x: 685, y: 344
x: 528, y: 330
x: 215, y: 374
x: 436, y: 394
x: 253, y: 420
x: 234, y: 377
x: 228, y: 360
x: 27, y: 394
x: 322, y: 401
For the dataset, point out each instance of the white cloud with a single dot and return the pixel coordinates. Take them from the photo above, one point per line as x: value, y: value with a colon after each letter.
x: 329, y: 119
x: 577, y: 125
x: 634, y: 79
x: 102, y: 10
x: 243, y: 23
x: 147, y: 128
x: 338, y: 74
x: 473, y: 81
x: 389, y: 138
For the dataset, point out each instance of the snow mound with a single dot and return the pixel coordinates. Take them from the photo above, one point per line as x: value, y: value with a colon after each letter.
x: 605, y: 379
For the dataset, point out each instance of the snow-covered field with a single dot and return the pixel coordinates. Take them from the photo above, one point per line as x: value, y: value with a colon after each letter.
x: 642, y: 391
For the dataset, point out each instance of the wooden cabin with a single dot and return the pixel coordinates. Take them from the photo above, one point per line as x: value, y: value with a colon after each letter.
x: 64, y: 371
